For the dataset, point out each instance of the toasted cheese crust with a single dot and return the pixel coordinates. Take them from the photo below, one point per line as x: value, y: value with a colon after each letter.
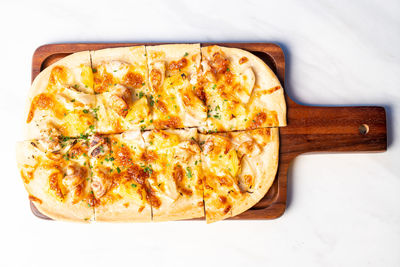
x: 113, y: 134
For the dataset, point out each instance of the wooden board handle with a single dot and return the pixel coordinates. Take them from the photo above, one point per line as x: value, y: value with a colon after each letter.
x: 335, y: 129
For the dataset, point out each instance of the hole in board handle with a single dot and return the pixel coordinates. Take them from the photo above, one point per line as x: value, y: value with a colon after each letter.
x: 363, y: 129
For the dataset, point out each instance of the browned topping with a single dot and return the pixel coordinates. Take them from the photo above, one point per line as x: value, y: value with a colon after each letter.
x: 153, y: 199
x: 225, y: 181
x: 149, y: 156
x: 98, y: 146
x: 133, y: 79
x: 273, y: 89
x: 243, y: 60
x: 126, y: 205
x: 77, y: 193
x: 186, y: 100
x: 28, y: 176
x: 249, y: 181
x: 141, y: 209
x: 180, y: 64
x: 54, y: 184
x: 219, y: 64
x: 178, y: 176
x: 200, y: 204
x: 57, y: 73
x: 102, y: 81
x: 162, y: 106
x: 155, y: 78
x: 227, y: 209
x: 199, y: 92
x: 222, y: 199
x: 78, y: 149
x: 119, y: 105
x: 258, y: 120
x: 138, y: 174
x: 173, y: 122
x: 35, y: 199
x: 42, y: 102
x: 123, y: 156
x: 228, y: 77
x: 208, y: 187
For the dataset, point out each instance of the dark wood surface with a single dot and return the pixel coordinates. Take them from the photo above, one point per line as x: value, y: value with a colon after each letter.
x: 310, y: 129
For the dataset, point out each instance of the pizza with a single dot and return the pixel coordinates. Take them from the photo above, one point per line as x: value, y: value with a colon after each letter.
x: 61, y: 100
x: 238, y: 170
x: 58, y: 180
x: 240, y: 91
x: 121, y: 87
x: 172, y: 71
x: 120, y: 190
x: 174, y: 162
x: 151, y: 133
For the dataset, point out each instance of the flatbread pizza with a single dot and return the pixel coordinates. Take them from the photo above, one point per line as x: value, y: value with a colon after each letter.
x: 152, y: 133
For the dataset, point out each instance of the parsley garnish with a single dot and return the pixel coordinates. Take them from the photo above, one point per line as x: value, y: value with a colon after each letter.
x: 188, y: 173
x: 186, y: 54
x: 151, y: 100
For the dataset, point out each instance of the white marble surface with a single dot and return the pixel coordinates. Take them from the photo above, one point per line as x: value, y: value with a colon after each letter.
x: 344, y: 209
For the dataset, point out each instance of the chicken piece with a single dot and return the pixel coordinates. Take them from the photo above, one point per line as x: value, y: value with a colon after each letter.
x: 74, y: 176
x: 185, y: 150
x: 157, y: 74
x: 51, y: 141
x: 98, y: 146
x: 100, y: 182
x: 120, y: 99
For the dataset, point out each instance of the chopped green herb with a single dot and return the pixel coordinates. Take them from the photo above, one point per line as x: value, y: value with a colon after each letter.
x: 186, y: 54
x: 118, y: 170
x: 189, y: 173
x: 151, y: 101
x: 85, y: 111
x: 141, y: 94
x: 133, y: 185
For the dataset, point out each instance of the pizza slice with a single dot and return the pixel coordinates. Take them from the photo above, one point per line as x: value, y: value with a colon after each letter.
x: 120, y: 82
x: 64, y: 112
x: 241, y: 91
x: 175, y: 101
x: 120, y: 178
x: 58, y: 181
x: 60, y: 100
x: 174, y: 163
x: 239, y: 168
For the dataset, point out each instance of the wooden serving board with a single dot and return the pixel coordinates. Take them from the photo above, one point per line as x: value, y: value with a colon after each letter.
x: 309, y: 129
